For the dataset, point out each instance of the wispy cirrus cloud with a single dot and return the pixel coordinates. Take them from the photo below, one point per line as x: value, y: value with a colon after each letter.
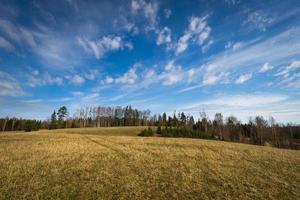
x: 149, y: 10
x: 128, y: 78
x: 6, y: 45
x: 289, y: 75
x: 197, y: 32
x: 50, y: 48
x: 171, y: 74
x: 36, y: 79
x: 164, y: 36
x: 9, y: 86
x: 77, y: 79
x: 244, y: 106
x: 266, y: 67
x: 277, y: 49
x: 243, y: 78
x: 104, y: 45
x: 17, y: 33
x: 258, y: 19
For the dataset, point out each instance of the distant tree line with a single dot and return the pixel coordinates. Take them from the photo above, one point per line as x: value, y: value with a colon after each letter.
x: 106, y: 116
x: 257, y: 130
x: 19, y: 124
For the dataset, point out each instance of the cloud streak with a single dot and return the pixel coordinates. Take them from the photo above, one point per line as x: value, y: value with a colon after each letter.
x: 197, y: 32
x: 9, y: 86
x: 244, y: 106
x: 104, y: 45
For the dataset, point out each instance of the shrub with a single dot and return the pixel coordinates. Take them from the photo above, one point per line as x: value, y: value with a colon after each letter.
x: 31, y: 125
x: 146, y: 132
x: 185, y: 132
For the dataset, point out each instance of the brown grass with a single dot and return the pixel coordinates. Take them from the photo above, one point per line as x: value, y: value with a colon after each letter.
x: 59, y: 165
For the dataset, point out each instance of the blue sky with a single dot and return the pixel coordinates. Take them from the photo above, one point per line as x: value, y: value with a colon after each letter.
x: 232, y: 56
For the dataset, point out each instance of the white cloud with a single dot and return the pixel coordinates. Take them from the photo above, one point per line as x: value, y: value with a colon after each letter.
x: 277, y: 49
x: 243, y: 78
x: 6, y: 45
x: 104, y: 45
x: 77, y: 80
x: 136, y: 5
x: 9, y: 86
x: 150, y: 74
x: 244, y: 105
x: 51, y: 49
x: 164, y: 36
x: 294, y: 83
x: 290, y: 75
x: 172, y: 74
x: 18, y: 34
x: 290, y: 68
x: 170, y: 65
x: 198, y: 31
x: 237, y: 45
x: 191, y: 74
x: 259, y: 19
x: 220, y: 68
x: 56, y: 51
x: 204, y: 35
x: 148, y: 10
x: 108, y: 80
x: 91, y: 74
x: 207, y: 46
x: 234, y: 46
x: 266, y: 67
x: 34, y: 79
x: 129, y: 77
x: 183, y: 43
x: 215, y: 78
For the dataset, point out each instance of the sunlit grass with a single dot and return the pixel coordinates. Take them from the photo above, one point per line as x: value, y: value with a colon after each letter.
x: 96, y: 164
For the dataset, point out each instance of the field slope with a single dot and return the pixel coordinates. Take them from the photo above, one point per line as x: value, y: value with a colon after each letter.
x: 60, y: 165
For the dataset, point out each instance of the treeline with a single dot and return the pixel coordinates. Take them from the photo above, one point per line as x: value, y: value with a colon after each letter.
x: 106, y: 116
x: 84, y: 117
x: 257, y: 130
x: 19, y: 124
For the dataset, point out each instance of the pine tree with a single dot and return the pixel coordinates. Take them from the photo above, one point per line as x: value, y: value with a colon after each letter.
x: 53, y: 123
x: 164, y: 119
x: 62, y: 113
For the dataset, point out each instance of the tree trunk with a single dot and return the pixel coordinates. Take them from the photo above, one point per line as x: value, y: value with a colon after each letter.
x: 4, y: 125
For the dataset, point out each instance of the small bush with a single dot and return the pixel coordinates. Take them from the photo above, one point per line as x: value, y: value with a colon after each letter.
x: 185, y: 132
x: 31, y: 125
x: 146, y: 132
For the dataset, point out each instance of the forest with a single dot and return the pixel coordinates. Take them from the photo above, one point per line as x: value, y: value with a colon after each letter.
x: 257, y: 130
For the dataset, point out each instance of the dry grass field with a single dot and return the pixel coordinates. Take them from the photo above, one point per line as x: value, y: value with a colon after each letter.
x: 97, y: 164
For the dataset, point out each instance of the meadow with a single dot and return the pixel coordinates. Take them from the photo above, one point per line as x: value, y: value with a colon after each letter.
x: 114, y: 163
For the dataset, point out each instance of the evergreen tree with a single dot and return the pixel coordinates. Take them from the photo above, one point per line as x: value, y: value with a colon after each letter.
x: 62, y: 113
x: 164, y: 119
x: 182, y: 119
x: 53, y: 123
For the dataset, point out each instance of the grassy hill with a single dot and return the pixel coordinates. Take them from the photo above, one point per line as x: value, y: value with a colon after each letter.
x: 95, y: 163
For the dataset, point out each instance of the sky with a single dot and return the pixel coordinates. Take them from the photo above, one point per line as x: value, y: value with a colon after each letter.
x: 237, y: 57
